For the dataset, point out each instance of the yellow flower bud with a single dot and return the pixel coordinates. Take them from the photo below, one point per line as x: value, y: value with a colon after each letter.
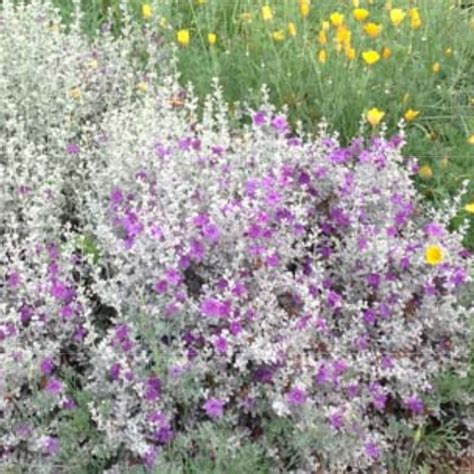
x: 425, y: 172
x: 411, y: 115
x: 147, y: 11
x: 212, y: 39
x: 267, y: 13
x: 436, y: 67
x: 323, y: 56
x: 292, y: 30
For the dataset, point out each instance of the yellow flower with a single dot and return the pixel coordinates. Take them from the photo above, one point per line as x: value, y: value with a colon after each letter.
x: 397, y: 15
x: 415, y: 18
x: 292, y: 30
x: 373, y: 29
x: 371, y: 57
x: 326, y: 25
x: 448, y: 52
x: 147, y: 11
x: 246, y: 17
x: 212, y: 39
x: 361, y: 14
x: 75, y: 93
x: 436, y: 68
x: 434, y: 254
x: 267, y: 13
x: 411, y: 115
x: 350, y: 53
x: 343, y: 35
x: 278, y: 35
x: 425, y: 172
x: 142, y: 87
x: 469, y: 208
x: 470, y: 140
x: 305, y: 7
x: 337, y: 19
x: 322, y: 37
x: 322, y: 56
x: 386, y: 53
x: 375, y: 116
x: 183, y: 37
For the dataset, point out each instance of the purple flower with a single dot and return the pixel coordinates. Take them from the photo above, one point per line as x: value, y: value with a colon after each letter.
x: 153, y: 388
x: 297, y: 396
x: 161, y: 287
x: 415, y: 405
x: 336, y: 420
x: 221, y: 345
x: 115, y: 371
x: 280, y: 123
x: 54, y: 386
x: 374, y: 279
x: 51, y: 445
x: 372, y: 450
x: 73, y: 149
x: 434, y: 229
x: 370, y: 317
x: 13, y: 280
x: 47, y: 366
x: 211, y: 232
x: 260, y: 118
x: 214, y: 408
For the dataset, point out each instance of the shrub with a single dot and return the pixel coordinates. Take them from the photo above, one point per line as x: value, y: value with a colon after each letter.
x: 277, y: 285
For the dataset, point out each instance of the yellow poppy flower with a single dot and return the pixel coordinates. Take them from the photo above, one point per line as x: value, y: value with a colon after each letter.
x: 375, y: 116
x: 323, y: 56
x: 343, y: 35
x: 373, y: 30
x: 305, y: 7
x: 371, y: 57
x: 267, y: 13
x: 386, y: 53
x: 361, y: 14
x: 415, y: 18
x: 469, y: 208
x: 212, y: 39
x: 322, y: 37
x: 292, y: 30
x: 397, y: 15
x: 147, y: 11
x: 434, y: 254
x: 425, y: 172
x: 278, y: 35
x: 183, y: 37
x: 351, y: 53
x: 411, y: 115
x: 337, y: 19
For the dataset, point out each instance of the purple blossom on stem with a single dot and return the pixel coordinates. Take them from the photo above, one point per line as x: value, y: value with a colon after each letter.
x: 214, y: 408
x: 297, y: 396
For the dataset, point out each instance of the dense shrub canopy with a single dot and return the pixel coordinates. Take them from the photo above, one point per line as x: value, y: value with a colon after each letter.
x: 161, y: 272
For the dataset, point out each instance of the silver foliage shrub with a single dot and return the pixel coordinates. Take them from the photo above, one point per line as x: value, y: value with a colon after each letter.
x: 162, y: 271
